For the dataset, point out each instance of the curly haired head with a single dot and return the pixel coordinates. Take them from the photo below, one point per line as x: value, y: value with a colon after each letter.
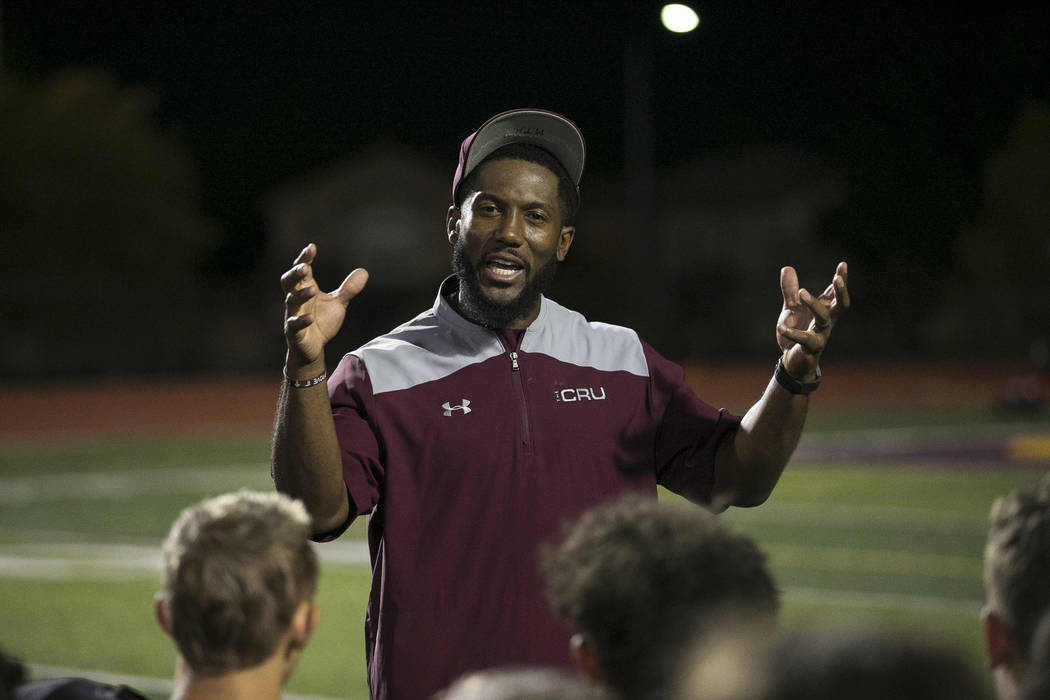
x: 638, y: 575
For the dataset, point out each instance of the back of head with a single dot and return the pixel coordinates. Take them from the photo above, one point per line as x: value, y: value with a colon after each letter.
x: 1017, y: 561
x: 827, y: 663
x: 236, y: 568
x: 638, y: 575
x: 522, y: 683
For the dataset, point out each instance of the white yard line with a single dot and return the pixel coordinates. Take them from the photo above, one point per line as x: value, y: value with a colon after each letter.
x: 144, y: 684
x: 884, y: 601
x: 107, y: 562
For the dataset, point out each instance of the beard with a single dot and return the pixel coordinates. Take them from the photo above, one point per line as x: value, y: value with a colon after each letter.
x: 498, y: 314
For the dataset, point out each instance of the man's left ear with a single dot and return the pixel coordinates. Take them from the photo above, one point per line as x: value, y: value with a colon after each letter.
x: 565, y: 241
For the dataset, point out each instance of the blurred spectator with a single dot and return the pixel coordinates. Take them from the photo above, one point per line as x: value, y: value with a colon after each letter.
x: 75, y: 689
x: 1016, y: 582
x: 11, y: 674
x: 825, y: 663
x: 237, y: 595
x: 523, y: 683
x: 638, y: 575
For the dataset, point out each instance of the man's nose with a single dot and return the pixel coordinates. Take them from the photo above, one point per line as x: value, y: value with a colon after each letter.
x: 512, y: 228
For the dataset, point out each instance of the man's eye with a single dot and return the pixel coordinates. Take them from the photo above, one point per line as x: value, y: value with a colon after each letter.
x: 537, y: 217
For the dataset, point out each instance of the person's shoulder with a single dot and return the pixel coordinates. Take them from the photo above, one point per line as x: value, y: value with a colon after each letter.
x: 568, y: 336
x: 562, y: 316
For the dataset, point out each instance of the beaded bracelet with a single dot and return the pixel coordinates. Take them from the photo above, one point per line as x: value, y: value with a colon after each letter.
x: 305, y: 383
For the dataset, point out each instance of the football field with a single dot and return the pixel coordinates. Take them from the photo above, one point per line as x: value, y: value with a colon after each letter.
x: 880, y: 517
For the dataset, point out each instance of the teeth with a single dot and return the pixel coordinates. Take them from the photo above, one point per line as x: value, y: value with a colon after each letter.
x: 503, y: 271
x: 501, y: 266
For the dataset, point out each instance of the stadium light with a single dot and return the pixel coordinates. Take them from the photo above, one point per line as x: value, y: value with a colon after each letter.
x: 679, y: 19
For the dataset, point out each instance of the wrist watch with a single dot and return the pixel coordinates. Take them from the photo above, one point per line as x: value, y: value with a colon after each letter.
x: 794, y: 385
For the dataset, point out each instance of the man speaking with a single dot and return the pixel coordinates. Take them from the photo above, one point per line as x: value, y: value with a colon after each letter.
x: 470, y: 433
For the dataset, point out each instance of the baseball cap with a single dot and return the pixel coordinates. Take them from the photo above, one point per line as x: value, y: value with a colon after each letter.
x: 550, y: 131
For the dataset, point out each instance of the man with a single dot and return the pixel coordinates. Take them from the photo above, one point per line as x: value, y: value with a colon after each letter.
x: 472, y: 431
x: 640, y: 579
x: 1016, y: 576
x: 237, y: 596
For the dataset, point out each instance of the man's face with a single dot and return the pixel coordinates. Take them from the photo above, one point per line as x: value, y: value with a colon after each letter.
x: 507, y: 241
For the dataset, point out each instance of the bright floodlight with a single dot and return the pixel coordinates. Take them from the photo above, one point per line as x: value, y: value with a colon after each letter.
x: 679, y: 18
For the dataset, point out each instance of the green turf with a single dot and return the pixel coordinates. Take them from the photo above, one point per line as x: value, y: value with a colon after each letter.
x: 110, y: 625
x: 887, y: 543
x: 834, y: 418
x: 71, y: 455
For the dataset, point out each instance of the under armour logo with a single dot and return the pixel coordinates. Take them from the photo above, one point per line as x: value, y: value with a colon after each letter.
x: 465, y: 407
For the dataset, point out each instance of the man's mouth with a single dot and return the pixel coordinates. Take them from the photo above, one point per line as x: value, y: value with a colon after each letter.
x: 503, y: 268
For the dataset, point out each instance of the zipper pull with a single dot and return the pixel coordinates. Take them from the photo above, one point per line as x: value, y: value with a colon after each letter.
x: 514, y: 360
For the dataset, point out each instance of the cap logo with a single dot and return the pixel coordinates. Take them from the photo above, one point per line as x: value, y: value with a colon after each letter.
x: 525, y: 131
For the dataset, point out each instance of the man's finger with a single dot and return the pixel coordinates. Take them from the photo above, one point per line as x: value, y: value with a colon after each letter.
x: 789, y: 285
x: 294, y: 324
x: 294, y: 301
x: 841, y: 291
x: 307, y: 254
x: 812, y: 342
x: 300, y: 276
x: 352, y: 285
x: 821, y: 313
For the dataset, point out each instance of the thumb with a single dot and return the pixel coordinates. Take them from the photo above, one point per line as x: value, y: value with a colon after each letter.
x: 352, y: 285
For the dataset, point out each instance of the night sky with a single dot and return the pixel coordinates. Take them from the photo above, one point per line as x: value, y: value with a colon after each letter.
x: 264, y: 92
x: 907, y: 105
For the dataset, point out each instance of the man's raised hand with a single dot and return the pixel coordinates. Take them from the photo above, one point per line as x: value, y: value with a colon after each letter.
x: 313, y: 317
x: 806, y: 321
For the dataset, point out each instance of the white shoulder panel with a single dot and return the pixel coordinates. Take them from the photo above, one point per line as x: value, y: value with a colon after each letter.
x: 567, y: 336
x: 422, y: 350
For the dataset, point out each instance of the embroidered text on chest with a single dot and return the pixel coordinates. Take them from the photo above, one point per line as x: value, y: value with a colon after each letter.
x: 579, y: 394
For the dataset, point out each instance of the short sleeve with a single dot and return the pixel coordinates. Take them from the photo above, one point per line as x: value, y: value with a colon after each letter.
x: 689, y: 431
x: 353, y: 411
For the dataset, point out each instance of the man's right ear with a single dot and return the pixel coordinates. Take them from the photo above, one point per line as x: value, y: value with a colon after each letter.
x: 160, y: 611
x: 997, y: 645
x: 583, y: 655
x: 452, y: 223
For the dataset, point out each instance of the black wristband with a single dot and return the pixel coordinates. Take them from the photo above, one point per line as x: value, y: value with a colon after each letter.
x: 794, y: 385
